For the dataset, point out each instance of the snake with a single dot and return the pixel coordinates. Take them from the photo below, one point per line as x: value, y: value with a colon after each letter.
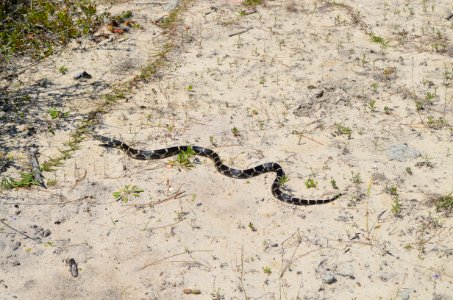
x: 221, y: 168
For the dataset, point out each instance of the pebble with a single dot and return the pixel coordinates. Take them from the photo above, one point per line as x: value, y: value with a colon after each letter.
x: 402, y: 152
x: 2, y: 245
x: 15, y: 263
x: 45, y: 233
x: 14, y: 246
x: 405, y: 294
x: 345, y: 270
x: 328, y: 277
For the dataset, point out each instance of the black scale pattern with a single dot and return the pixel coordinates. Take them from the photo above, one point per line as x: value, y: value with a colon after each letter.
x: 223, y: 169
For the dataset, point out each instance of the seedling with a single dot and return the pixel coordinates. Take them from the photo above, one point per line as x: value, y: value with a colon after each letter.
x: 283, y: 180
x: 126, y: 192
x: 252, y: 227
x: 334, y: 184
x: 56, y: 114
x: 267, y: 270
x: 311, y: 183
x: 378, y: 40
x: 444, y: 203
x: 392, y: 190
x: 63, y: 70
x: 356, y: 178
x: 340, y: 129
x: 183, y: 158
x: 371, y: 104
x: 396, y: 207
x: 235, y: 132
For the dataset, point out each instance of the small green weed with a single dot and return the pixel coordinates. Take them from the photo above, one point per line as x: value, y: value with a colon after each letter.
x: 235, y: 132
x: 252, y: 2
x: 267, y: 270
x: 252, y: 227
x: 311, y: 183
x: 371, y: 104
x: 396, y: 207
x: 392, y: 190
x: 436, y: 123
x: 126, y: 192
x: 63, y: 70
x: 283, y: 180
x: 57, y: 114
x: 444, y: 203
x: 333, y: 182
x: 27, y: 180
x: 356, y: 178
x: 183, y: 158
x: 378, y: 40
x: 340, y: 129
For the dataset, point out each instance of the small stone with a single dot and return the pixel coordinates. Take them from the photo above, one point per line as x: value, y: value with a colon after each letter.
x: 405, y: 294
x: 15, y: 263
x: 328, y: 277
x: 14, y: 246
x: 45, y: 233
x: 402, y: 152
x: 345, y: 270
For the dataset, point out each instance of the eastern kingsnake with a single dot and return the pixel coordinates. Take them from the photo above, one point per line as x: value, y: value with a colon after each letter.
x: 223, y: 169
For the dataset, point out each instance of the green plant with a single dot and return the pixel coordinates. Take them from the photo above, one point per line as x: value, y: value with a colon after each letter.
x: 36, y: 29
x: 267, y: 270
x: 396, y: 207
x: 340, y: 129
x: 252, y: 2
x: 436, y: 123
x: 334, y: 184
x: 444, y: 203
x: 419, y: 105
x: 283, y: 180
x: 429, y: 97
x: 189, y: 88
x: 63, y: 70
x: 51, y: 182
x: 235, y: 132
x: 56, y: 114
x: 374, y: 87
x: 27, y: 180
x: 126, y: 192
x: 311, y: 183
x: 252, y: 227
x: 392, y: 190
x: 378, y: 40
x: 371, y: 104
x: 183, y: 158
x: 356, y: 178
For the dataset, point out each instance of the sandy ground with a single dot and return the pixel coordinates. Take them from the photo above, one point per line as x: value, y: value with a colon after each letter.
x: 303, y: 85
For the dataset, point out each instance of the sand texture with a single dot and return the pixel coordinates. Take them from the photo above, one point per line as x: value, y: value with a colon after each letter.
x: 307, y: 84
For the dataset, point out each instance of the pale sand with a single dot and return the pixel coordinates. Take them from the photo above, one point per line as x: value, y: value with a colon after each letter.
x: 222, y: 233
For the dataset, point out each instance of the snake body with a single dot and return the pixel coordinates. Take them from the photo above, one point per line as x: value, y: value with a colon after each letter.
x: 223, y: 169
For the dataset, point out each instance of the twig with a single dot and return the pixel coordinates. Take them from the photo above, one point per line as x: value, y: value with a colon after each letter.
x: 27, y: 236
x: 449, y: 17
x: 241, y: 32
x: 174, y: 255
x: 242, y: 274
x: 35, y: 169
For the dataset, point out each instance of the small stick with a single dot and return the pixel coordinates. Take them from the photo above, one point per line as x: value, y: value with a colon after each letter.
x: 36, y: 170
x: 241, y: 32
x: 449, y: 17
x: 27, y: 236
